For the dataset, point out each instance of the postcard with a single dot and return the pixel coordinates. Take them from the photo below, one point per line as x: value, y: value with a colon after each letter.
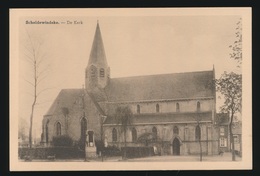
x: 130, y: 89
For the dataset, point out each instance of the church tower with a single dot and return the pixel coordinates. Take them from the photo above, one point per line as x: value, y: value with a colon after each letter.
x: 97, y: 72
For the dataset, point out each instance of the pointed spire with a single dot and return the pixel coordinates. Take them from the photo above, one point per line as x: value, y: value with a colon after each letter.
x: 97, y: 54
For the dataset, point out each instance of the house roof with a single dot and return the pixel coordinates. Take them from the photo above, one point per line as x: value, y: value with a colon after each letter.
x: 222, y: 118
x: 66, y: 98
x: 161, y: 118
x: 163, y: 86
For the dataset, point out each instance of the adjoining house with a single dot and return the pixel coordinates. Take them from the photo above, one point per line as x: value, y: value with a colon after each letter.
x: 223, y: 121
x: 237, y: 135
x: 172, y: 112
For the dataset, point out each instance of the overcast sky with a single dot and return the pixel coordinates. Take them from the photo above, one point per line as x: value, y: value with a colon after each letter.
x: 134, y: 46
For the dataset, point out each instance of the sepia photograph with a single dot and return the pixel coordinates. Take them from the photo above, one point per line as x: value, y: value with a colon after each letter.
x: 130, y: 89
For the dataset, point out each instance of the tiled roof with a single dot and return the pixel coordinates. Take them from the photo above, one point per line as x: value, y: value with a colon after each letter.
x: 139, y: 88
x: 66, y: 98
x: 165, y: 86
x: 99, y: 94
x: 165, y: 118
x: 222, y: 118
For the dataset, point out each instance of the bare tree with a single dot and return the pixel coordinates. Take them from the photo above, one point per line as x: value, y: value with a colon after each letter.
x: 236, y: 47
x: 23, y: 129
x: 35, y: 58
x: 230, y: 86
x: 102, y: 120
x: 198, y: 133
x: 123, y: 117
x: 65, y: 112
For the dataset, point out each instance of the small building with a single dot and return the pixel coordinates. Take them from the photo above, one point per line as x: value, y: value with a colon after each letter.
x: 223, y: 131
x: 237, y: 135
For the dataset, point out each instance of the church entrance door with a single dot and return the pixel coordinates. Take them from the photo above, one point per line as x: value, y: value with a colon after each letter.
x: 176, y: 147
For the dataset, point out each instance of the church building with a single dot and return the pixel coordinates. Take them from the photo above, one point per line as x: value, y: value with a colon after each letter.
x: 173, y: 112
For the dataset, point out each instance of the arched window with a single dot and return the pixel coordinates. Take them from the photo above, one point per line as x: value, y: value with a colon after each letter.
x: 58, y: 129
x: 154, y: 131
x: 93, y: 71
x: 177, y: 107
x: 47, y: 131
x: 114, y: 135
x: 157, y: 108
x: 175, y: 130
x: 83, y: 125
x: 134, y: 135
x: 198, y: 106
x: 102, y: 72
x: 138, y: 109
x: 197, y: 133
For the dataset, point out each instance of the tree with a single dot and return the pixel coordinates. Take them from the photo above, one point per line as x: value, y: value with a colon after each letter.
x: 102, y: 120
x: 23, y: 129
x: 123, y: 115
x: 236, y: 47
x: 230, y: 86
x: 35, y: 58
x: 198, y: 133
x: 65, y: 112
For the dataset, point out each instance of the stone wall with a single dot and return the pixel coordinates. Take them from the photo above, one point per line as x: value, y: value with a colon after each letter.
x: 186, y: 136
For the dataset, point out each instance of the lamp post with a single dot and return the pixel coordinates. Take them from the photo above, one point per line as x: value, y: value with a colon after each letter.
x: 85, y: 144
x: 199, y: 133
x: 102, y: 119
x: 84, y: 115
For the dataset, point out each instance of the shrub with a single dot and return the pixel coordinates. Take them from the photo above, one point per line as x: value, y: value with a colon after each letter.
x: 81, y: 144
x: 64, y: 141
x: 100, y: 146
x: 58, y: 152
x: 111, y: 151
x: 136, y: 152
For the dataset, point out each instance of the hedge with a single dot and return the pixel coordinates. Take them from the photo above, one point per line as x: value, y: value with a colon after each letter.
x: 58, y: 152
x: 137, y: 152
x: 111, y: 151
x: 64, y: 141
x: 75, y: 153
